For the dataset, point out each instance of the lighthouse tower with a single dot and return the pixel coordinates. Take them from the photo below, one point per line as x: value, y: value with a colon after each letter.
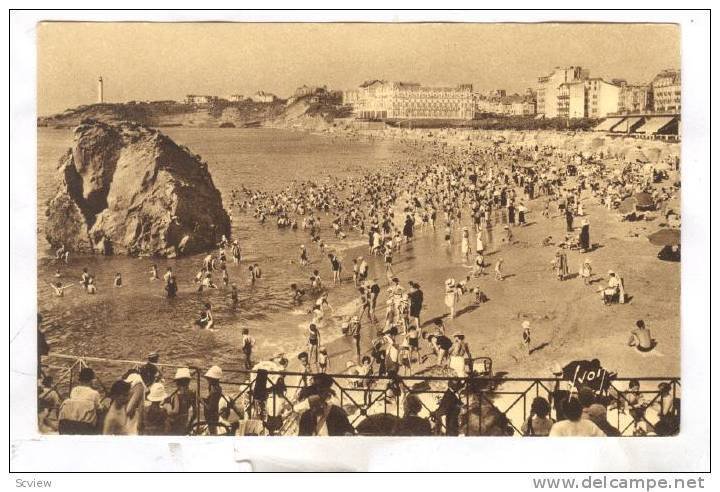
x: 100, y: 90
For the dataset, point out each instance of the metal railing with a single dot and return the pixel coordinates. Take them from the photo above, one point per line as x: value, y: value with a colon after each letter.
x: 479, y: 405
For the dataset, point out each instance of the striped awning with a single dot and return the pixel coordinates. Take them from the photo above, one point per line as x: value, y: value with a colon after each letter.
x: 655, y: 125
x: 627, y: 124
x: 608, y: 124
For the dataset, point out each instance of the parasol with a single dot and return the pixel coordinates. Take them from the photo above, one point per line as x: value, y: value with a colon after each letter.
x: 636, y: 155
x: 644, y: 200
x: 627, y: 206
x: 665, y: 237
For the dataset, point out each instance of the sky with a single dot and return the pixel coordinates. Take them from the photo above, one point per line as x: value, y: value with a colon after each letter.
x: 157, y: 61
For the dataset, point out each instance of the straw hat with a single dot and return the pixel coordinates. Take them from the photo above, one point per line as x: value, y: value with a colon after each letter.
x: 214, y: 373
x: 587, y: 260
x: 157, y: 392
x: 182, y: 373
x: 450, y: 282
x: 354, y: 319
x: 526, y: 324
x: 134, y: 378
x: 610, y: 272
x: 556, y: 369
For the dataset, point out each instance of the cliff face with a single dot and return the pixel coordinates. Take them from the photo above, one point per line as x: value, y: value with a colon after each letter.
x: 128, y: 189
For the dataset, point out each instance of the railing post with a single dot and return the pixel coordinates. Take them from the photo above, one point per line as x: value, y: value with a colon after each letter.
x: 197, y: 395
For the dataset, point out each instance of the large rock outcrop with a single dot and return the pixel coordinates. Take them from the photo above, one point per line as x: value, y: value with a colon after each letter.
x: 129, y: 189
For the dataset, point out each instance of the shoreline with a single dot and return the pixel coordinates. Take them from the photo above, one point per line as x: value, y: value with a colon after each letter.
x: 340, y: 345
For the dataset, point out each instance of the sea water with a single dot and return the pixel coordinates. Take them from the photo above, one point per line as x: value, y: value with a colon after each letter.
x: 130, y: 321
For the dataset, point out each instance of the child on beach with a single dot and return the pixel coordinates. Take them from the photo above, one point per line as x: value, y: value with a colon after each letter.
x: 297, y: 294
x: 234, y: 295
x: 303, y: 256
x: 59, y: 288
x: 118, y: 280
x: 91, y: 289
x: 479, y: 267
x: 498, y: 269
x: 586, y: 271
x: 526, y: 336
x: 154, y: 272
x: 323, y: 360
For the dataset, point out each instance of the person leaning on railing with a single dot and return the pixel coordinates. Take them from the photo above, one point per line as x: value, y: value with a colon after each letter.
x: 79, y: 413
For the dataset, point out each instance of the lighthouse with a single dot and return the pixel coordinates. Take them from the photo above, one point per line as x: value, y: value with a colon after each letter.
x: 100, y: 90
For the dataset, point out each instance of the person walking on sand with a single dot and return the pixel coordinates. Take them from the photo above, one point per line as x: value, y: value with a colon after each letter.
x: 248, y: 343
x: 526, y: 337
x: 586, y: 271
x: 336, y: 267
x: 303, y: 256
x: 451, y: 296
x: 465, y: 245
x: 498, y: 269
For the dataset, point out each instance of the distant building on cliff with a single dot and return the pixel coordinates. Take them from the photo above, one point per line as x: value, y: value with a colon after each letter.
x: 381, y: 100
x: 196, y: 100
x: 236, y: 98
x: 263, y: 97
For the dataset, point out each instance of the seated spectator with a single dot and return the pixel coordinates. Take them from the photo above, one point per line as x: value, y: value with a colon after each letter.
x: 183, y: 404
x: 116, y: 418
x: 79, y: 413
x: 640, y: 338
x: 575, y: 425
x: 586, y: 397
x: 323, y: 418
x: 411, y: 424
x: 598, y: 415
x: 156, y: 416
x: 539, y: 421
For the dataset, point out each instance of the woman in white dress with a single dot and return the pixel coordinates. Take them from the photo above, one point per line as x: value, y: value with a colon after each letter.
x: 465, y: 245
x: 451, y: 296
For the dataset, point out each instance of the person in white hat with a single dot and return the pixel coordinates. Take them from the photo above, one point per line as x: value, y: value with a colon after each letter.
x: 526, y: 336
x: 451, y: 296
x: 586, y: 271
x: 183, y: 404
x: 465, y: 244
x: 212, y: 400
x: 156, y: 416
x: 303, y: 255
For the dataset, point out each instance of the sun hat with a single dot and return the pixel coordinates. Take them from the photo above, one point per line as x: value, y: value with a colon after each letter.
x: 556, y: 369
x: 459, y: 335
x: 610, y: 272
x: 526, y: 324
x: 587, y: 260
x: 182, y: 373
x: 354, y: 319
x: 157, y: 392
x: 134, y: 378
x: 214, y: 373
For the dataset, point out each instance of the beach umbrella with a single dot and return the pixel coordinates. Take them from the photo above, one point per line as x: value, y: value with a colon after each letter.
x: 665, y: 237
x: 644, y: 200
x: 627, y: 206
x: 653, y: 154
x: 636, y: 155
x: 597, y: 142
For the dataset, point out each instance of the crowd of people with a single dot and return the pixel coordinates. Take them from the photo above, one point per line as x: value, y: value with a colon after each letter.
x: 476, y: 196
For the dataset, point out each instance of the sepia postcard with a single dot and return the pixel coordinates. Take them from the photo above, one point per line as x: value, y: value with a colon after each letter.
x: 359, y: 229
